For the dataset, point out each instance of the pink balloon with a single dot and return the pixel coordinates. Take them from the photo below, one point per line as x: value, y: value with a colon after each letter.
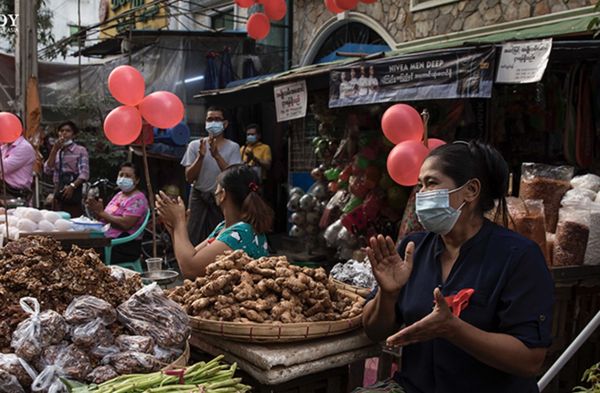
x: 405, y: 160
x: 10, y: 127
x: 332, y: 7
x: 401, y: 123
x: 245, y: 3
x: 275, y: 9
x: 162, y: 109
x: 258, y: 26
x: 127, y: 85
x: 123, y: 125
x: 432, y: 143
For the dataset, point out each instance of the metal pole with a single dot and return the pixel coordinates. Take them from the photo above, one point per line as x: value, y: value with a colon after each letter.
x: 4, y: 194
x: 569, y: 352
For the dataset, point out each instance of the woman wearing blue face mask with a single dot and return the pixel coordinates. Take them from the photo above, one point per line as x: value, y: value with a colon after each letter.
x: 125, y: 213
x: 469, y: 302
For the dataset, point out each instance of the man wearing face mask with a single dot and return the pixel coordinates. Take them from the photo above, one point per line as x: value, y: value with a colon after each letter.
x: 469, y: 301
x: 204, y: 160
x: 256, y: 154
x: 68, y: 163
x: 125, y: 213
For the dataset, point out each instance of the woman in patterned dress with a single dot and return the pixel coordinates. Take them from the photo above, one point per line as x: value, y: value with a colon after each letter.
x: 247, y: 219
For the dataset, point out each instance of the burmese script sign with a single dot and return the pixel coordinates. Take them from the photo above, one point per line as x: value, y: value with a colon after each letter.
x: 463, y: 73
x: 523, y: 62
x: 290, y: 101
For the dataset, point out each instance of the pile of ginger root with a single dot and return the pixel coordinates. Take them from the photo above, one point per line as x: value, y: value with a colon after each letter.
x: 237, y: 288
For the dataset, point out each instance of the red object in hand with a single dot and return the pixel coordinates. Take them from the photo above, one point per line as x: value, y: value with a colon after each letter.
x: 460, y: 301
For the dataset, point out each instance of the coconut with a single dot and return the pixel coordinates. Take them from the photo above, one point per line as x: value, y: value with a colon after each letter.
x: 63, y: 225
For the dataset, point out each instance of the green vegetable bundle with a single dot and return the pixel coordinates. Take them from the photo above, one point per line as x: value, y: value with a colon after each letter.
x: 211, y: 377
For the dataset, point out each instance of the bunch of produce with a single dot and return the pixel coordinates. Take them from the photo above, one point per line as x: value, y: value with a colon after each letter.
x: 94, y: 342
x: 353, y: 272
x: 239, y: 289
x: 29, y: 219
x: 37, y: 267
x: 211, y: 377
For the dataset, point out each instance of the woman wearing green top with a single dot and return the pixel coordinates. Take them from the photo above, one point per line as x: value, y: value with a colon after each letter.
x: 247, y: 219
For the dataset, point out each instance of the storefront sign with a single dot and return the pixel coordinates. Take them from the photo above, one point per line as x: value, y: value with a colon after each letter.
x: 290, y: 101
x: 148, y: 15
x: 446, y: 74
x: 523, y: 62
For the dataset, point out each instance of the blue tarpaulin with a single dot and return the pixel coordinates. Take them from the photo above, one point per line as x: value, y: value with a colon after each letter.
x: 353, y: 48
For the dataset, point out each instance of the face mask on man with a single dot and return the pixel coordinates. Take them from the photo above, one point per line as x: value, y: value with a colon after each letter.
x: 251, y: 138
x: 126, y: 184
x: 68, y: 142
x: 434, y: 211
x: 215, y: 128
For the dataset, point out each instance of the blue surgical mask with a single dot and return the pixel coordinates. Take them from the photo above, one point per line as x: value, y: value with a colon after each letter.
x: 126, y: 184
x: 251, y: 138
x: 434, y: 211
x: 215, y: 128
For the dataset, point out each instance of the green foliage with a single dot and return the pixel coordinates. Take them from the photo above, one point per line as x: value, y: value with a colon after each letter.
x: 44, y: 23
x: 591, y: 376
x: 105, y: 157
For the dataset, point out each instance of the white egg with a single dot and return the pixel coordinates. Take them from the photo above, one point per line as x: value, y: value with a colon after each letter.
x: 62, y: 224
x: 13, y: 221
x: 26, y: 225
x: 34, y: 215
x: 19, y: 211
x: 45, y: 226
x: 51, y: 216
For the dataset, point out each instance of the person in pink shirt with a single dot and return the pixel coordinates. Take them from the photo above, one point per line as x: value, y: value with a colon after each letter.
x: 125, y: 213
x: 18, y: 159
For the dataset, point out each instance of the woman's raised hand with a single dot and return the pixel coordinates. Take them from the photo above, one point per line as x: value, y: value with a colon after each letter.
x: 170, y: 212
x: 390, y: 270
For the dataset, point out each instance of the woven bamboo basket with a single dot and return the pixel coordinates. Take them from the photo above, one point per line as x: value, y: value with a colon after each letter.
x: 362, y: 292
x: 275, y: 332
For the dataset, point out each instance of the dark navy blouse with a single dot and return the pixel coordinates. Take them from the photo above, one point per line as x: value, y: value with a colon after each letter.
x: 513, y: 295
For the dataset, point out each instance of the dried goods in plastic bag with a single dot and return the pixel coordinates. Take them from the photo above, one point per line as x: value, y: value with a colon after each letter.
x: 19, y: 368
x: 9, y: 383
x: 166, y: 355
x: 135, y: 343
x: 101, y: 374
x: 37, y: 331
x: 87, y: 308
x: 589, y: 182
x: 99, y: 352
x: 132, y: 362
x: 548, y: 183
x: 577, y: 196
x: 528, y: 219
x: 149, y: 312
x: 91, y: 333
x: 592, y: 252
x: 355, y: 273
x: 70, y: 363
x: 571, y: 237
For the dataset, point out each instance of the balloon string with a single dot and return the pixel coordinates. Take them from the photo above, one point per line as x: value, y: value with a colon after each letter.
x: 425, y: 117
x: 4, y: 194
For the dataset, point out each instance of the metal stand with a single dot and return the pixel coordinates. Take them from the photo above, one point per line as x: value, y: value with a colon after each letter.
x: 569, y: 352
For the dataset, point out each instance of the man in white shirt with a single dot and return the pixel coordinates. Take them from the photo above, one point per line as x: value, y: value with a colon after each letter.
x: 363, y: 83
x: 353, y: 83
x: 345, y: 86
x: 373, y: 82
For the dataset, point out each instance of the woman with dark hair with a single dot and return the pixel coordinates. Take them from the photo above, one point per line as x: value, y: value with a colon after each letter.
x: 469, y: 301
x: 247, y: 219
x: 125, y: 213
x: 68, y: 163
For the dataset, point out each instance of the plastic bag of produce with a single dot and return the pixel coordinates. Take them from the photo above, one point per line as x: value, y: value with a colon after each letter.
x: 589, y: 182
x: 135, y: 343
x: 571, y: 238
x: 149, y: 312
x: 99, y: 352
x: 91, y: 333
x: 9, y: 383
x: 17, y: 367
x: 577, y: 196
x: 70, y: 363
x: 102, y: 374
x: 528, y: 219
x: 592, y: 252
x: 166, y: 355
x: 132, y: 362
x: 37, y: 331
x: 84, y: 309
x: 548, y: 183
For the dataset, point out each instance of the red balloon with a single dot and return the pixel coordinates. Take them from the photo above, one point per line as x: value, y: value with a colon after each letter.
x: 162, y: 109
x: 244, y: 3
x: 405, y: 160
x: 432, y: 143
x: 123, y: 125
x: 127, y: 85
x: 258, y: 26
x: 10, y: 127
x: 275, y: 9
x: 330, y: 4
x: 346, y: 4
x: 401, y: 123
x: 368, y: 1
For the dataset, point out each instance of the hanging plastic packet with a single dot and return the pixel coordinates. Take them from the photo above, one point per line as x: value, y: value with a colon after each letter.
x: 71, y: 363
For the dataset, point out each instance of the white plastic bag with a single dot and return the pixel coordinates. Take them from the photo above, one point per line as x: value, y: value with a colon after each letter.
x: 588, y: 182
